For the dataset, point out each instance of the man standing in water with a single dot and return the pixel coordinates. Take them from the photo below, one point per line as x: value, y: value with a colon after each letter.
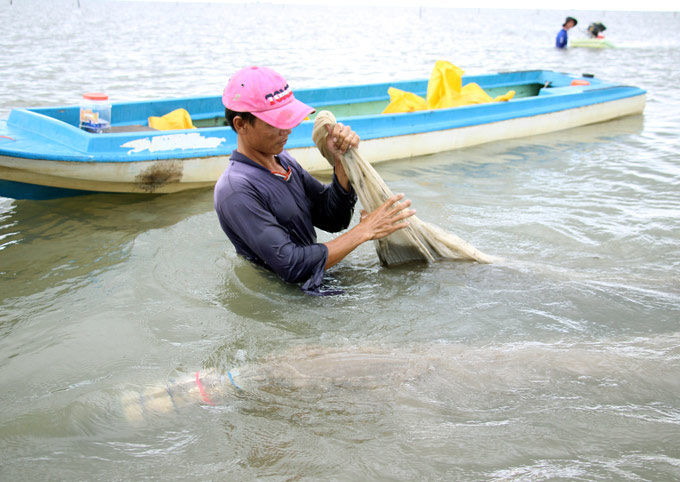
x: 562, y: 38
x: 268, y: 205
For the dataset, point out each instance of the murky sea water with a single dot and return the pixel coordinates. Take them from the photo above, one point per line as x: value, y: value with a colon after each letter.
x: 561, y: 362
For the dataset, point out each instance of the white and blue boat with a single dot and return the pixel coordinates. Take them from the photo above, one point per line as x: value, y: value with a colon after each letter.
x: 591, y: 43
x: 44, y: 154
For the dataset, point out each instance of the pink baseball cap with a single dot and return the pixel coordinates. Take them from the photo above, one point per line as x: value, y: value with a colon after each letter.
x: 266, y: 95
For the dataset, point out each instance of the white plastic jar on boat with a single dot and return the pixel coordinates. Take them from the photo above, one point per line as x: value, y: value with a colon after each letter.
x: 95, y: 113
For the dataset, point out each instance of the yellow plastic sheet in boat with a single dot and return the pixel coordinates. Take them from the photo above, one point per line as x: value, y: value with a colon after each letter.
x: 419, y: 241
x: 445, y: 89
x: 402, y: 101
x: 177, y: 119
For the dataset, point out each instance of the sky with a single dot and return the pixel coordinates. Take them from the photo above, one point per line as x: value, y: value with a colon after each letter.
x: 598, y: 5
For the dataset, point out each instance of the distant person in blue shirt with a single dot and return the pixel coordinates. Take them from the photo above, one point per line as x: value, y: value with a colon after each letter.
x: 269, y: 206
x: 562, y: 39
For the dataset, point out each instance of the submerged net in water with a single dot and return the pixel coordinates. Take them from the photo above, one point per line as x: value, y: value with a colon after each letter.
x: 420, y: 241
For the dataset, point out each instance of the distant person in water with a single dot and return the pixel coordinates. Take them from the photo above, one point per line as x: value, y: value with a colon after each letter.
x: 562, y: 39
x: 595, y: 30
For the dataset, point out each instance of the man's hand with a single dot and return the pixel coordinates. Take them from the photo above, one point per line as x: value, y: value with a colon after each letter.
x: 389, y: 217
x: 339, y: 139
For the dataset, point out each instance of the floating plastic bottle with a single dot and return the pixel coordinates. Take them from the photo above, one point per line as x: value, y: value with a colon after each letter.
x: 208, y: 387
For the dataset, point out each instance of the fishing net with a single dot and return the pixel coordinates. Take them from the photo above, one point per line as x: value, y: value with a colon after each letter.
x: 420, y: 241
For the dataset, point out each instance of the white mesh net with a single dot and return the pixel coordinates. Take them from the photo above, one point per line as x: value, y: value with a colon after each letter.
x: 420, y: 241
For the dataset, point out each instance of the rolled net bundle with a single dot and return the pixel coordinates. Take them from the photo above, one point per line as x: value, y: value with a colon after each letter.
x: 420, y: 241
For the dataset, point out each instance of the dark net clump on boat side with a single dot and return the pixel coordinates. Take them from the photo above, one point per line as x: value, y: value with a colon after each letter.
x: 420, y: 241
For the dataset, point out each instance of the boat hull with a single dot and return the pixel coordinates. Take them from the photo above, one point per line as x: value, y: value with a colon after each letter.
x: 591, y: 43
x: 149, y: 177
x: 154, y: 162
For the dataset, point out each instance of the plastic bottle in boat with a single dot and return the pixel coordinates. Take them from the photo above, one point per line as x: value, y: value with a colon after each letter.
x: 95, y: 113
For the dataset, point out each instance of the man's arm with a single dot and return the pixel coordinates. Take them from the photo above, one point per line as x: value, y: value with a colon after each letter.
x: 386, y: 219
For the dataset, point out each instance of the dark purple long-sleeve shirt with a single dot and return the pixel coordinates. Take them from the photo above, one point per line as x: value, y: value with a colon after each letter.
x: 270, y: 219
